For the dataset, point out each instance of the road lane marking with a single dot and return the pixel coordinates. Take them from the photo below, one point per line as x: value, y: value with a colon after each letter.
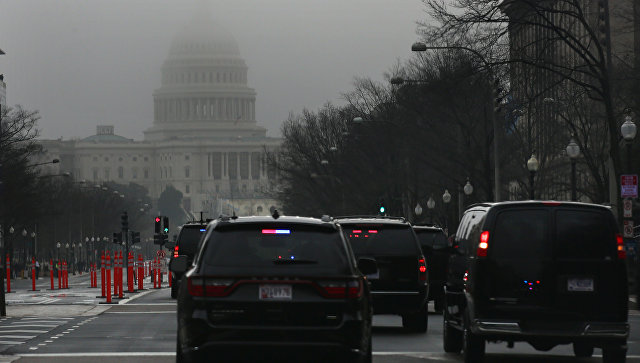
x: 140, y: 312
x: 18, y: 336
x: 10, y: 342
x: 23, y: 331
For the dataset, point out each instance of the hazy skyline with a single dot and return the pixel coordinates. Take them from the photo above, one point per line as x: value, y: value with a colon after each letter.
x: 87, y: 63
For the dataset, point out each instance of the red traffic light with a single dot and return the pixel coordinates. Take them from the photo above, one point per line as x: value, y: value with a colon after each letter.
x: 157, y: 219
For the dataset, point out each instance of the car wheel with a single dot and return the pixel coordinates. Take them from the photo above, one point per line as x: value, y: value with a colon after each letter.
x: 472, y: 345
x: 582, y: 350
x: 417, y: 322
x: 614, y: 355
x: 174, y: 290
x: 451, y: 337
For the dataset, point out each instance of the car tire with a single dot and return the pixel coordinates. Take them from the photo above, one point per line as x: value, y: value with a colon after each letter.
x: 174, y: 290
x: 451, y: 337
x: 473, y: 346
x: 614, y: 355
x: 582, y: 350
x: 417, y: 322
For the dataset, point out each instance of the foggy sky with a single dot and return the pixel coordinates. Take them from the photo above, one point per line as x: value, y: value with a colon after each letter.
x: 84, y: 63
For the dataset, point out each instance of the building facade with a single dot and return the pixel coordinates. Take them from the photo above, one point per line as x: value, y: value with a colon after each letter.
x: 204, y: 141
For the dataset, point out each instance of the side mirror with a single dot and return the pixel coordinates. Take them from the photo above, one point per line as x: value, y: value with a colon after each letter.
x: 367, y: 266
x: 178, y: 264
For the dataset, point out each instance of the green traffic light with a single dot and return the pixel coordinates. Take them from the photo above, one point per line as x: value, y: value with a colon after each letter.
x: 166, y: 229
x: 381, y: 209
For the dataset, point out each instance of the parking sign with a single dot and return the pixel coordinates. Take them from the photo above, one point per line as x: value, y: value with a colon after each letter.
x: 629, y: 186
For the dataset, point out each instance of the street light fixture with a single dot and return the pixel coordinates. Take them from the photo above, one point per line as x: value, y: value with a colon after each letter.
x: 573, y: 151
x: 628, y: 131
x: 532, y: 165
x: 446, y: 198
x: 418, y: 209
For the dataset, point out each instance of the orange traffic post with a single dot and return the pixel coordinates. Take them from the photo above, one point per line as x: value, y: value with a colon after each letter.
x: 51, y: 273
x: 140, y: 272
x: 59, y: 274
x: 108, y: 277
x: 120, y: 276
x: 130, y: 272
x: 65, y: 276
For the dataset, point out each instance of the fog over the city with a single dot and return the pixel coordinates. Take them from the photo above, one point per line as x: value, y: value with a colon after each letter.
x: 83, y: 63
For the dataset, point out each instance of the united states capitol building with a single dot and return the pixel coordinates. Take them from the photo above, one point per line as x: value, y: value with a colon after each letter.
x: 204, y: 141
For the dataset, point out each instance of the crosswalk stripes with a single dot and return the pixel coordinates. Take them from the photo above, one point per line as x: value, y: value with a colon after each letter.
x: 16, y: 331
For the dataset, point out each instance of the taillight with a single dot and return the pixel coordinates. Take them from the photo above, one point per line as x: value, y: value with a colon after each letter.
x: 620, y: 246
x: 210, y: 287
x: 422, y: 269
x: 483, y: 245
x: 175, y: 251
x: 341, y: 289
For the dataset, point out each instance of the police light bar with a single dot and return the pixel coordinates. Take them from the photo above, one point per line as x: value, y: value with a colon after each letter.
x: 276, y: 231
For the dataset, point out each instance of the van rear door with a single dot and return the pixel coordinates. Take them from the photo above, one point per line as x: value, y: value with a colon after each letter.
x: 591, y: 279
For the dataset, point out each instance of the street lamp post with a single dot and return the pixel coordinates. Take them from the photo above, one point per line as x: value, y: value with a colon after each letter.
x: 58, y: 245
x: 10, y: 250
x: 628, y: 131
x: 24, y: 249
x: 468, y: 188
x: 446, y: 198
x: 430, y: 205
x: 532, y: 165
x: 573, y: 151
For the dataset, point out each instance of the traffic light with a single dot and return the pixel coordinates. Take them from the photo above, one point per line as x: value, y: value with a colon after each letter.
x: 135, y: 237
x: 381, y: 209
x: 158, y: 239
x: 158, y: 224
x: 166, y: 224
x: 117, y: 237
x: 125, y: 221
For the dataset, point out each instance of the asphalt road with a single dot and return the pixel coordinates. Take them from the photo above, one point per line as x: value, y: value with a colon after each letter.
x: 142, y: 329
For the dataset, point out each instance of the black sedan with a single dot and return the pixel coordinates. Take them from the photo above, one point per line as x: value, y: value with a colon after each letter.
x: 276, y: 289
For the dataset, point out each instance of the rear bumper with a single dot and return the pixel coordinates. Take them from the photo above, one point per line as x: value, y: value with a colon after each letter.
x: 398, y: 302
x: 203, y: 339
x: 514, y: 329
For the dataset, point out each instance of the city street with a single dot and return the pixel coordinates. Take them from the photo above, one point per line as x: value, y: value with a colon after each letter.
x: 47, y: 326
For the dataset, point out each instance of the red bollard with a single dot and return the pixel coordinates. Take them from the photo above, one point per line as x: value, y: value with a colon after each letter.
x: 102, y: 273
x: 130, y: 272
x: 115, y: 274
x: 156, y: 274
x: 59, y: 275
x: 33, y: 273
x: 51, y: 273
x: 108, y: 272
x: 66, y: 275
x: 140, y: 272
x: 8, y: 273
x: 120, y: 276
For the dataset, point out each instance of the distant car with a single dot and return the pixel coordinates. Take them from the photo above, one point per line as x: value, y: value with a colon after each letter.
x: 186, y: 244
x: 542, y: 272
x: 283, y: 289
x: 401, y: 285
x: 435, y: 248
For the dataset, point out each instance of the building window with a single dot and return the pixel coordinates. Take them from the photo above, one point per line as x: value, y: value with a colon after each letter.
x: 106, y: 158
x: 187, y: 172
x: 134, y: 173
x: 106, y: 174
x: 259, y: 209
x: 120, y: 159
x: 146, y: 158
x: 120, y: 172
x: 135, y: 158
x: 95, y: 174
x: 217, y: 188
x: 95, y: 158
x: 187, y: 189
x: 186, y: 157
x: 146, y: 173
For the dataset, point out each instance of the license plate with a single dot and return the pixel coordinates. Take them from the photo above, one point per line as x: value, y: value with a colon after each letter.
x: 579, y: 284
x: 274, y: 292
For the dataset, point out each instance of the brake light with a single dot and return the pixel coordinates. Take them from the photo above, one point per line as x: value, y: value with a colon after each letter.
x: 175, y: 251
x: 622, y: 254
x: 210, y: 287
x: 341, y: 289
x: 483, y: 245
x: 422, y: 269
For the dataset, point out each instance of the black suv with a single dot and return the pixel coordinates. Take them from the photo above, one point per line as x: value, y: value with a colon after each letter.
x: 546, y: 273
x: 401, y: 284
x: 186, y: 245
x: 434, y: 246
x: 286, y: 288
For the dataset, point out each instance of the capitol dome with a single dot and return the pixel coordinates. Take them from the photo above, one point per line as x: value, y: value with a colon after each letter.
x: 204, y: 92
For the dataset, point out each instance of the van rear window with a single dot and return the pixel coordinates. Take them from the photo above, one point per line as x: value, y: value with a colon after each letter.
x: 520, y: 234
x: 584, y: 234
x: 379, y: 240
x: 189, y: 239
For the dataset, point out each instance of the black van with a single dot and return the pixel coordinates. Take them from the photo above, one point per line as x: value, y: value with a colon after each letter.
x: 433, y: 242
x: 546, y: 273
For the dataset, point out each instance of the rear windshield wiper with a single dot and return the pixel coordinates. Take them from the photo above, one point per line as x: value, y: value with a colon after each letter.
x: 286, y: 261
